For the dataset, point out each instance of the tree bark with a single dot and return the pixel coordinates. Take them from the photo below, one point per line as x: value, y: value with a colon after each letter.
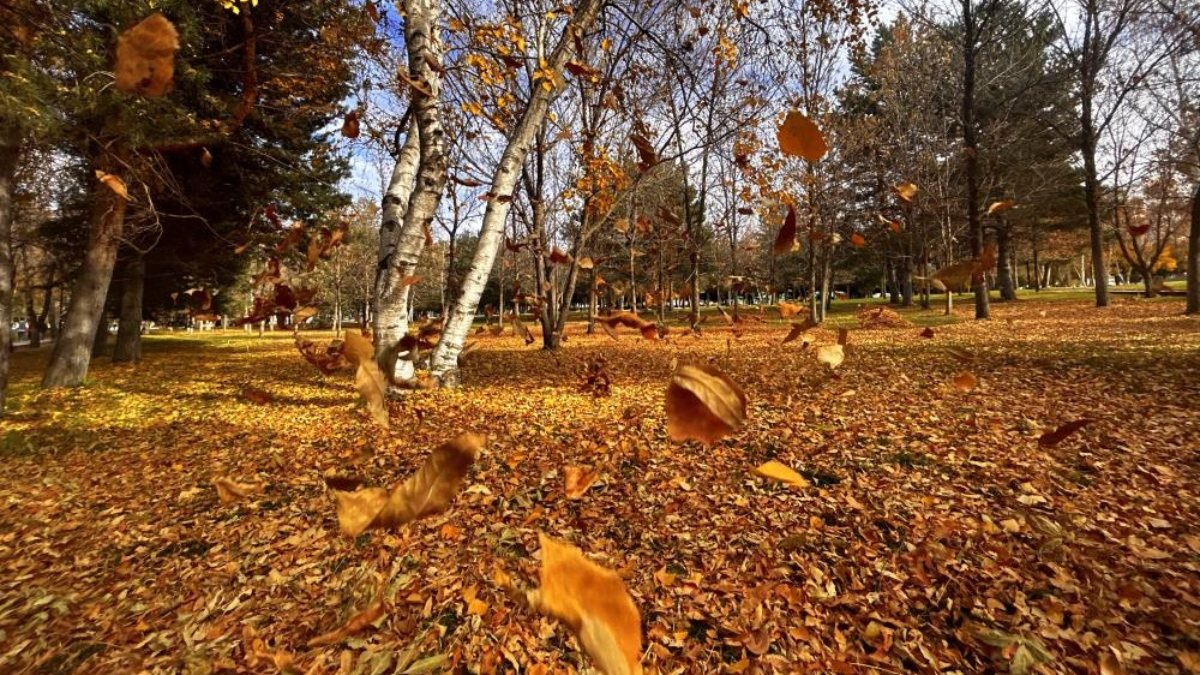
x: 72, y: 351
x: 1004, y: 269
x: 100, y: 340
x: 391, y: 316
x: 1193, y: 261
x: 444, y: 363
x: 971, y: 152
x: 10, y: 144
x: 129, y: 327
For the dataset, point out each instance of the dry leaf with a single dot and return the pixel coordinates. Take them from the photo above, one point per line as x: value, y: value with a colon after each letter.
x: 594, y: 604
x: 372, y: 385
x: 427, y: 492
x: 350, y: 125
x: 831, y: 355
x: 113, y: 183
x: 355, y: 624
x: 357, y: 348
x: 965, y: 381
x: 782, y: 473
x: 703, y: 404
x: 1000, y: 206
x: 579, y: 480
x: 230, y: 491
x: 256, y: 395
x: 1053, y: 438
x: 927, y: 333
x: 146, y: 57
x: 857, y: 240
x: 799, y: 137
x: 786, y: 239
x: 799, y: 329
x: 906, y: 191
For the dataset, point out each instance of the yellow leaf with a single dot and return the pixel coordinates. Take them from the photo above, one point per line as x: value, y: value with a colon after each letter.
x: 594, y: 604
x: 831, y: 355
x: 780, y: 472
x: 906, y: 191
x: 578, y: 480
x: 997, y: 207
x: 370, y: 383
x: 146, y: 57
x: 799, y: 137
x: 230, y: 491
x: 965, y: 381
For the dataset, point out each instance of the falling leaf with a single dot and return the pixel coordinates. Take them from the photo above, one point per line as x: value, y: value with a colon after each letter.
x: 785, y: 241
x: 427, y: 492
x: 113, y: 183
x: 648, y: 329
x: 357, y: 348
x: 578, y: 480
x: 857, y: 240
x: 927, y: 333
x: 1000, y: 206
x: 585, y: 263
x: 1053, y: 438
x: 230, y: 491
x: 350, y: 125
x: 304, y: 313
x: 372, y: 385
x: 559, y: 257
x: 831, y: 355
x: 354, y: 625
x: 788, y: 309
x: 780, y: 472
x: 409, y: 280
x: 592, y: 601
x: 206, y: 158
x: 964, y: 381
x: 256, y: 395
x: 906, y: 191
x: 521, y: 330
x: 703, y: 404
x: 799, y: 329
x: 799, y: 137
x: 146, y: 57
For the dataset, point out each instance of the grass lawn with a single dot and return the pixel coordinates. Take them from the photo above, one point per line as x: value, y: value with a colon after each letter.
x: 935, y: 533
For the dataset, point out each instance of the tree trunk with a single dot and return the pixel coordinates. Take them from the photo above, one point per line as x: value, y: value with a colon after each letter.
x: 129, y: 329
x: 35, y: 328
x: 391, y: 317
x: 73, y: 349
x: 971, y: 152
x: 1004, y: 269
x: 444, y: 362
x: 10, y: 146
x: 1193, y: 260
x: 100, y: 341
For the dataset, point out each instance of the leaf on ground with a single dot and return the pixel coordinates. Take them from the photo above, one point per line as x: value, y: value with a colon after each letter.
x: 230, y: 491
x: 965, y: 381
x: 256, y: 395
x: 354, y: 625
x: 703, y: 404
x: 593, y: 602
x: 927, y: 333
x: 782, y: 473
x: 1053, y: 438
x: 427, y: 492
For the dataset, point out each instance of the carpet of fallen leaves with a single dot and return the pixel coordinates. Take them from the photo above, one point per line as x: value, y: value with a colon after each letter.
x: 936, y: 535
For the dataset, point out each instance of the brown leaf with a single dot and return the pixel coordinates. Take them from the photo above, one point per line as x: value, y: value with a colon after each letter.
x: 559, y: 256
x: 578, y: 480
x: 927, y: 333
x: 350, y: 125
x: 427, y: 492
x: 1000, y: 206
x: 353, y: 625
x: 857, y: 240
x: 787, y: 309
x: 357, y: 348
x: 906, y: 191
x: 965, y: 381
x: 371, y: 384
x: 328, y: 360
x: 785, y: 241
x: 230, y: 491
x: 1053, y: 438
x: 113, y: 183
x: 799, y: 137
x: 146, y: 57
x: 593, y: 602
x: 703, y: 404
x: 256, y: 395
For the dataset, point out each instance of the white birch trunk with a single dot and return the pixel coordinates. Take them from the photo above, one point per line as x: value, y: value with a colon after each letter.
x: 444, y: 363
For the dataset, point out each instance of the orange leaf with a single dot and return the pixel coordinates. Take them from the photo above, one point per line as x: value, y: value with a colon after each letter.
x: 857, y: 240
x: 787, y: 309
x: 427, y: 492
x: 357, y: 347
x: 256, y: 395
x: 113, y: 183
x: 703, y: 404
x: 353, y: 625
x: 350, y: 124
x: 965, y: 381
x: 371, y: 384
x: 146, y: 57
x: 578, y: 480
x: 1000, y: 206
x: 230, y: 491
x: 799, y: 137
x: 906, y: 191
x: 594, y: 604
x: 1053, y: 438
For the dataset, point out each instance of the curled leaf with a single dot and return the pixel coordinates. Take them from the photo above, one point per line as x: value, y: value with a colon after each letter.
x: 113, y: 183
x: 427, y: 492
x: 703, y: 404
x: 593, y: 602
x: 355, y: 624
x: 906, y: 191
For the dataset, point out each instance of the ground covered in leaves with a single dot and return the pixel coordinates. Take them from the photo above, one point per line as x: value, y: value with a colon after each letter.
x: 936, y: 535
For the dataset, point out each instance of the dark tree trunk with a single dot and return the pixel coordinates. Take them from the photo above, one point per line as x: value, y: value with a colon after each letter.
x: 10, y: 142
x: 906, y: 283
x: 129, y: 330
x: 1004, y: 269
x: 72, y: 351
x: 1193, y: 261
x: 971, y: 151
x: 35, y: 328
x: 100, y: 341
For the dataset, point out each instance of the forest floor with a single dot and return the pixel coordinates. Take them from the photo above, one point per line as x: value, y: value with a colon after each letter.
x: 937, y: 534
